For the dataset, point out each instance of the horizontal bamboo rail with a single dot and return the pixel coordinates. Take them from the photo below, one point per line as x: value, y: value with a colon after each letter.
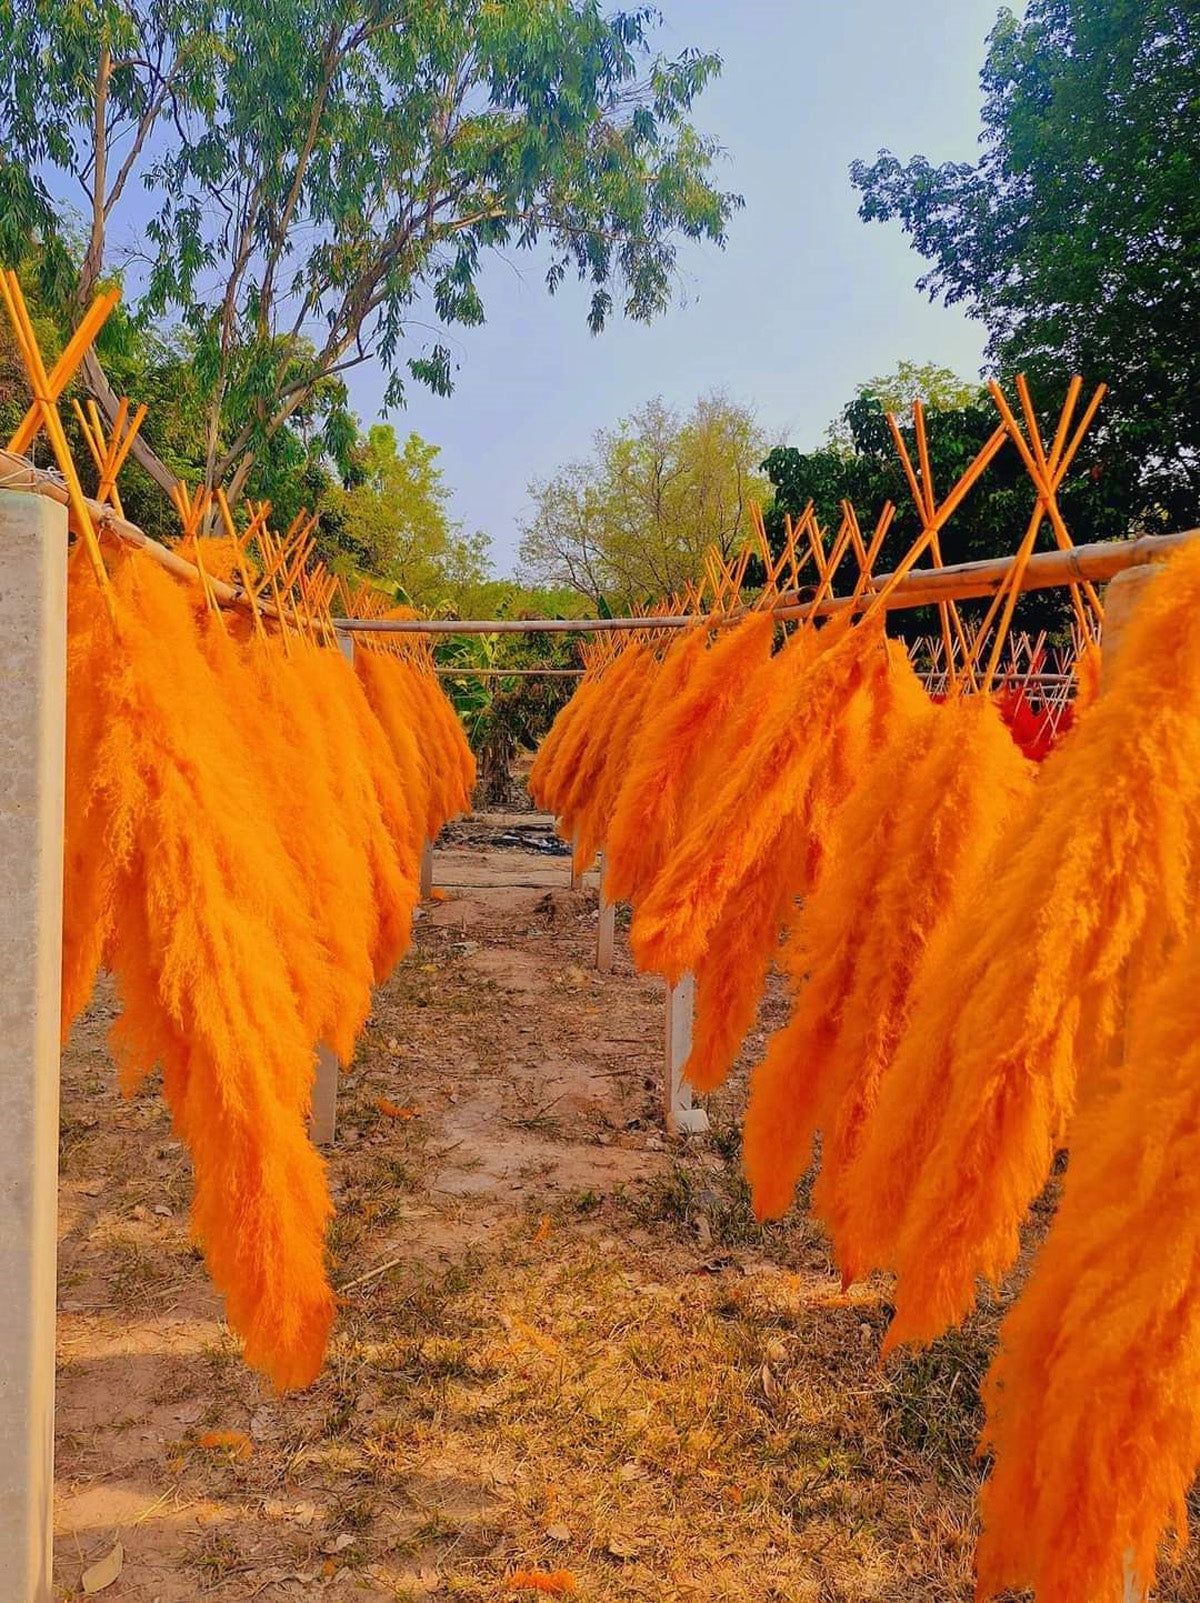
x: 919, y: 588
x: 510, y: 673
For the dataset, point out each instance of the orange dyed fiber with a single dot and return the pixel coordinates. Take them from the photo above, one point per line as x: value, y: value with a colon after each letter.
x: 1021, y: 1003
x: 917, y: 841
x: 197, y: 873
x: 762, y: 813
x: 559, y: 1583
x: 581, y: 766
x: 1093, y: 1401
x: 594, y: 819
x: 732, y: 972
x: 572, y: 733
x: 806, y: 1073
x: 375, y: 791
x: 692, y: 697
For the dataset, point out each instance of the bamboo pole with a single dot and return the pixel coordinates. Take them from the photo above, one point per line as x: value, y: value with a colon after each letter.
x: 920, y: 587
x: 510, y: 673
x: 923, y: 587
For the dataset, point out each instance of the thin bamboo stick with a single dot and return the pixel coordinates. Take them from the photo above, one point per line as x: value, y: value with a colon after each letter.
x: 921, y: 587
x: 510, y: 673
x: 924, y: 587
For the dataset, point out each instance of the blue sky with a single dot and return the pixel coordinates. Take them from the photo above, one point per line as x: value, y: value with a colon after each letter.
x: 804, y: 303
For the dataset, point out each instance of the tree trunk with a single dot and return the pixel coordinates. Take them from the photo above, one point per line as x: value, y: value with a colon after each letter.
x: 106, y: 397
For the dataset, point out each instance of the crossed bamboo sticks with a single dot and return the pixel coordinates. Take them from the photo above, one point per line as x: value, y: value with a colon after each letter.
x: 280, y: 581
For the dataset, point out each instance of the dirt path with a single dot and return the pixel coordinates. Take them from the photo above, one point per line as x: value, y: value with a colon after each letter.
x: 563, y: 1343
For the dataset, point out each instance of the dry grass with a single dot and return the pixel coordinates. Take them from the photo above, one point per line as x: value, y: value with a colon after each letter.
x: 563, y: 1344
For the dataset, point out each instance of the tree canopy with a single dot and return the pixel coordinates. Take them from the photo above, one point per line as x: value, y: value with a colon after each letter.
x: 859, y: 463
x: 1076, y: 235
x: 393, y: 522
x: 324, y: 179
x: 632, y: 521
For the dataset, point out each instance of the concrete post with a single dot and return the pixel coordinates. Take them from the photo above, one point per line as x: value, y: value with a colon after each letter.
x: 606, y: 928
x: 322, y: 1123
x: 33, y: 634
x: 426, y: 886
x: 681, y: 1117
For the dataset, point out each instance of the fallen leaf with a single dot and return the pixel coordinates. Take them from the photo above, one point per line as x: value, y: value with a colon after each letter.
x: 235, y: 1442
x: 543, y: 1230
x: 91, y: 1188
x: 105, y: 1571
x: 623, y: 1547
x: 558, y: 1533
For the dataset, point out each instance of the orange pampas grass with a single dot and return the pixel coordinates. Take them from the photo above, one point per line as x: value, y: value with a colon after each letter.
x: 732, y: 974
x: 812, y: 1062
x: 593, y: 819
x: 1024, y: 998
x: 809, y: 778
x: 198, y: 873
x: 955, y: 782
x: 321, y: 925
x: 763, y: 811
x: 1093, y: 1401
x: 556, y: 1583
x: 694, y: 693
x: 375, y: 790
x: 587, y: 762
x: 89, y: 873
x: 574, y: 732
x: 571, y: 717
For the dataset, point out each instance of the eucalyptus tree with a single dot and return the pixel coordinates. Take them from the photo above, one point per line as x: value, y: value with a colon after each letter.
x: 308, y: 187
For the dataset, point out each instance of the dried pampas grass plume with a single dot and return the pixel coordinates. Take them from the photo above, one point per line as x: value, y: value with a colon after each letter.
x: 1022, y: 1003
x: 688, y: 715
x: 199, y: 879
x: 1093, y: 1400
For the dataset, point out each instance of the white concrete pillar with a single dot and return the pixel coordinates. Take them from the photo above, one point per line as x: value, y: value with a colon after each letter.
x: 680, y: 1115
x: 322, y: 1123
x: 426, y: 886
x: 33, y: 612
x: 606, y: 927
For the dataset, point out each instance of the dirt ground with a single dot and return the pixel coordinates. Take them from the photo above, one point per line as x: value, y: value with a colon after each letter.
x: 563, y: 1341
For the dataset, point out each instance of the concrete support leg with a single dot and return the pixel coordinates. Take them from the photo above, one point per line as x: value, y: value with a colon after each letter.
x: 427, y: 871
x: 322, y: 1125
x: 680, y: 1115
x: 33, y: 553
x: 606, y: 928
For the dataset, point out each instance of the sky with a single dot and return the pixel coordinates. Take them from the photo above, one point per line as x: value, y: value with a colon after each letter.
x: 804, y: 303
